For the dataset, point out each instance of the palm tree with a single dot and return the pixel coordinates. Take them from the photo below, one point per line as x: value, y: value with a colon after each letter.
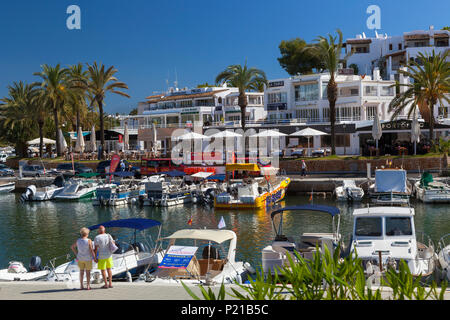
x: 244, y: 79
x: 329, y: 51
x: 77, y: 96
x: 20, y: 112
x: 99, y: 82
x: 54, y: 86
x: 430, y: 75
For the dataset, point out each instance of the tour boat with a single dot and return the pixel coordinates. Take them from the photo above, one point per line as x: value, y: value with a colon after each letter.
x: 7, y: 187
x: 391, y: 187
x: 382, y: 236
x: 202, y: 258
x: 165, y: 191
x: 16, y: 271
x: 444, y: 255
x: 251, y: 192
x: 430, y: 191
x: 275, y: 255
x: 349, y: 191
x: 131, y: 258
x: 76, y: 189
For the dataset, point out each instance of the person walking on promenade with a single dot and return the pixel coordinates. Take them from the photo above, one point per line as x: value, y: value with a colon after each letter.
x: 105, y: 246
x: 85, y: 254
x: 304, y: 168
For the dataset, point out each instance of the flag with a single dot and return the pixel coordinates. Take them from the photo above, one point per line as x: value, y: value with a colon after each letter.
x: 221, y: 223
x: 190, y: 221
x: 311, y: 197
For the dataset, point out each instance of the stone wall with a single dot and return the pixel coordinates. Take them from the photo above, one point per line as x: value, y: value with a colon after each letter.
x: 409, y: 164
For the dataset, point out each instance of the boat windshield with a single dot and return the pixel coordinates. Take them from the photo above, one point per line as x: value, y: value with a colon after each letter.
x: 398, y: 226
x: 72, y: 188
x: 368, y: 227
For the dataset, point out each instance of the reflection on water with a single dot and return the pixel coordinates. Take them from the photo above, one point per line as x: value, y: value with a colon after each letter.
x: 48, y: 229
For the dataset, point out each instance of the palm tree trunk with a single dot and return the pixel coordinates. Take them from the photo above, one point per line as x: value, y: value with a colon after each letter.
x: 41, y: 138
x: 55, y: 118
x: 78, y: 119
x: 431, y: 107
x: 242, y: 101
x: 102, y: 126
x: 332, y: 97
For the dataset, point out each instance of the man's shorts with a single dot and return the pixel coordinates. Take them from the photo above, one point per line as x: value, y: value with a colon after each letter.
x: 85, y: 265
x: 105, y: 263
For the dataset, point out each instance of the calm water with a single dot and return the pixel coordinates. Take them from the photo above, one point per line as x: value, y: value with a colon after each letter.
x: 48, y: 229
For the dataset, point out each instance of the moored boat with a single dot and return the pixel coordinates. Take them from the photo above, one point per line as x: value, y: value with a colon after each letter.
x: 444, y: 255
x: 16, y: 271
x: 349, y: 191
x: 391, y: 187
x: 251, y: 192
x: 430, y: 191
x: 77, y: 189
x: 7, y: 187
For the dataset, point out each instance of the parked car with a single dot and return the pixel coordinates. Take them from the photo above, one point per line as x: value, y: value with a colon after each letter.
x: 6, y: 171
x: 103, y: 164
x: 67, y: 168
x: 33, y: 170
x: 3, y: 157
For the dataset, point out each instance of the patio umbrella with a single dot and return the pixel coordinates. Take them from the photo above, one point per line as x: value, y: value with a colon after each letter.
x: 308, y: 133
x: 269, y: 133
x: 37, y: 141
x: 415, y: 131
x: 79, y: 146
x: 376, y: 129
x: 226, y: 134
x: 63, y: 141
x: 126, y: 138
x: 192, y: 136
x: 155, y: 137
x: 93, y: 140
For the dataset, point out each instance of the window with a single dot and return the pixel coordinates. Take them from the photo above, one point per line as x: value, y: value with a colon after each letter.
x: 370, y: 90
x: 324, y: 90
x: 390, y: 46
x: 371, y: 110
x: 308, y: 114
x: 277, y: 97
x: 398, y: 226
x: 399, y: 46
x: 368, y: 227
x: 387, y: 91
x: 307, y: 92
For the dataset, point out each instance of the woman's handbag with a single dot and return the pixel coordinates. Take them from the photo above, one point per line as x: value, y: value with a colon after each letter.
x: 112, y: 246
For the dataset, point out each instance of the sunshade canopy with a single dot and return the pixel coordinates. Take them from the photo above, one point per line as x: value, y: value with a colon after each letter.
x: 219, y: 177
x: 37, y: 141
x: 124, y: 174
x: 308, y: 132
x: 242, y: 166
x: 174, y: 173
x: 226, y: 134
x: 309, y: 207
x: 132, y: 223
x: 192, y: 136
x: 202, y: 174
x: 218, y: 236
x: 88, y: 174
x: 269, y: 133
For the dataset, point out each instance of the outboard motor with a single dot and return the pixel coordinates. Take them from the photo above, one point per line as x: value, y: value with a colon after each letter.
x: 28, y: 194
x: 35, y: 264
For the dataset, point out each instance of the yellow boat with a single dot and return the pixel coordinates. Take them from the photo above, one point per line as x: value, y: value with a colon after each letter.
x: 252, y: 192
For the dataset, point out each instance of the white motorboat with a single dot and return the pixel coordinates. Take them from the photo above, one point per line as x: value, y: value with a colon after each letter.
x: 430, y: 191
x: 7, y: 187
x: 16, y: 271
x: 275, y: 255
x: 444, y: 255
x: 391, y: 187
x: 165, y: 191
x: 32, y: 193
x: 349, y: 191
x: 129, y: 260
x: 207, y: 186
x: 120, y: 193
x: 203, y: 259
x: 382, y: 236
x: 77, y: 189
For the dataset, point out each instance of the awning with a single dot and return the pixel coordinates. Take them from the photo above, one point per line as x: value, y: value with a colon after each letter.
x: 202, y: 175
x: 242, y: 166
x: 132, y: 223
x: 218, y: 236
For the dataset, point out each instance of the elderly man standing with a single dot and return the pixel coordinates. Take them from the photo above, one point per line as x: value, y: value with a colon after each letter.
x: 104, y: 244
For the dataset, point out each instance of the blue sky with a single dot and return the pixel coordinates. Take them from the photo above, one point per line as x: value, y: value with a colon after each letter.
x: 148, y: 40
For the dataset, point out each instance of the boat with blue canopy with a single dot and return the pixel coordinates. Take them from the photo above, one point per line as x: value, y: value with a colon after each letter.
x: 130, y: 259
x: 275, y: 256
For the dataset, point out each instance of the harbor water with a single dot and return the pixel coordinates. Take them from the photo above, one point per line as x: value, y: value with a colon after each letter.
x: 48, y: 229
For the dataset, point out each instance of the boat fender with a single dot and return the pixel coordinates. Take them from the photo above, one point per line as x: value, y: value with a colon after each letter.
x: 35, y: 264
x: 249, y: 268
x: 239, y: 278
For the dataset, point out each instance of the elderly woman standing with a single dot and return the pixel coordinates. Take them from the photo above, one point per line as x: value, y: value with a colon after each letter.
x: 85, y: 254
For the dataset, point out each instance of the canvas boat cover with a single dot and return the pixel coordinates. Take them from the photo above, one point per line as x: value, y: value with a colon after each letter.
x: 390, y: 181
